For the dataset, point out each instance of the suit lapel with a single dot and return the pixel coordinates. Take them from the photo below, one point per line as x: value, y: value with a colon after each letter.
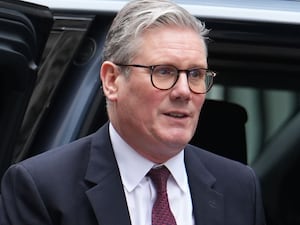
x: 107, y: 197
x: 207, y: 203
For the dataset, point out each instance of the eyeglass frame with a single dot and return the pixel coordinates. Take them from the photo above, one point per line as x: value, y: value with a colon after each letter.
x: 186, y: 71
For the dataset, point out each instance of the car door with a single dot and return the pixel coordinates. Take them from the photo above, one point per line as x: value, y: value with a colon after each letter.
x: 24, y: 30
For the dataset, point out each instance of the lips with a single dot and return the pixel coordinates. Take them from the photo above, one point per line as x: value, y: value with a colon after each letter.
x: 177, y: 114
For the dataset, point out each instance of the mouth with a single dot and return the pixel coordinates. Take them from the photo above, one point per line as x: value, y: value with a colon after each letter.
x: 177, y: 115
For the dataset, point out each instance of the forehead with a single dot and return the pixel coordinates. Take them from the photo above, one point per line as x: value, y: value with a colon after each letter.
x: 172, y: 43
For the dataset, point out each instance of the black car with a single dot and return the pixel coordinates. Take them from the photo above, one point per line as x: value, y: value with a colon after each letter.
x: 50, y: 57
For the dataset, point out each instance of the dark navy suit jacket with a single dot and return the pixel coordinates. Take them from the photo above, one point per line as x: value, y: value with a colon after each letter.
x: 80, y: 184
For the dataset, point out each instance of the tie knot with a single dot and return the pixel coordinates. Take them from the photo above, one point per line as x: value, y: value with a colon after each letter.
x: 159, y: 176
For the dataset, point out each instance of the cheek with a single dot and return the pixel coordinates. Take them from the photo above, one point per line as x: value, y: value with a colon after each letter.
x: 148, y: 105
x: 139, y: 102
x: 199, y: 101
x: 198, y: 104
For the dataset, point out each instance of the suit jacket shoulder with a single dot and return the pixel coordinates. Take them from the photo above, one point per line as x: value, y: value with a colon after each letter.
x: 67, y: 185
x: 222, y: 189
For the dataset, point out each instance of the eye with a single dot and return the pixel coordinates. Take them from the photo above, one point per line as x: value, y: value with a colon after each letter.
x: 165, y: 71
x: 196, y: 73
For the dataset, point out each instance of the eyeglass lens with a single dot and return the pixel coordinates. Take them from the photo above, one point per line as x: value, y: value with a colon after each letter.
x: 165, y: 77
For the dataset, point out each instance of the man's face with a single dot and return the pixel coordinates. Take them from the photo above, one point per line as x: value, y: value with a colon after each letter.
x: 159, y: 123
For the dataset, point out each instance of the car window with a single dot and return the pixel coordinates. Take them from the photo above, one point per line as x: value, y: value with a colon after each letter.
x: 268, y: 111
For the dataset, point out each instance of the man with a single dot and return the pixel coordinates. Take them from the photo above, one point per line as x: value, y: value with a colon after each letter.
x: 154, y: 75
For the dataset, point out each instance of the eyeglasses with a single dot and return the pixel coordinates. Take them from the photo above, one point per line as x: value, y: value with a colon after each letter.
x: 164, y: 77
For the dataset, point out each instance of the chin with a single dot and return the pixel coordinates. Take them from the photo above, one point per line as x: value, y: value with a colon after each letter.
x: 178, y: 142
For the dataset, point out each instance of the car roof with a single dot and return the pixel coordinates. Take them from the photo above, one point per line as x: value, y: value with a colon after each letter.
x: 283, y: 11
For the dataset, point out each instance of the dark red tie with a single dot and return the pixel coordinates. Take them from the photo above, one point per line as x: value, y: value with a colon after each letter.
x: 161, y: 212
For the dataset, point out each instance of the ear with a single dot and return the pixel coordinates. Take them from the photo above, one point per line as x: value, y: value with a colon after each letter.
x: 109, y: 73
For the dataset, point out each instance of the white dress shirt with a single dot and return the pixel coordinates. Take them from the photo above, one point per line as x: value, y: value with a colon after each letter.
x: 139, y: 189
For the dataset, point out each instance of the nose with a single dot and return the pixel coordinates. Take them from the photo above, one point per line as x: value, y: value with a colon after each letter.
x: 181, y: 89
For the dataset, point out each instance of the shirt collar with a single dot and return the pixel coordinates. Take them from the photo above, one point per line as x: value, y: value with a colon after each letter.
x: 134, y: 167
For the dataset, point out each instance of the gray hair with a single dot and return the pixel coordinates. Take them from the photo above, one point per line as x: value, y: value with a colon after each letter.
x: 123, y: 38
